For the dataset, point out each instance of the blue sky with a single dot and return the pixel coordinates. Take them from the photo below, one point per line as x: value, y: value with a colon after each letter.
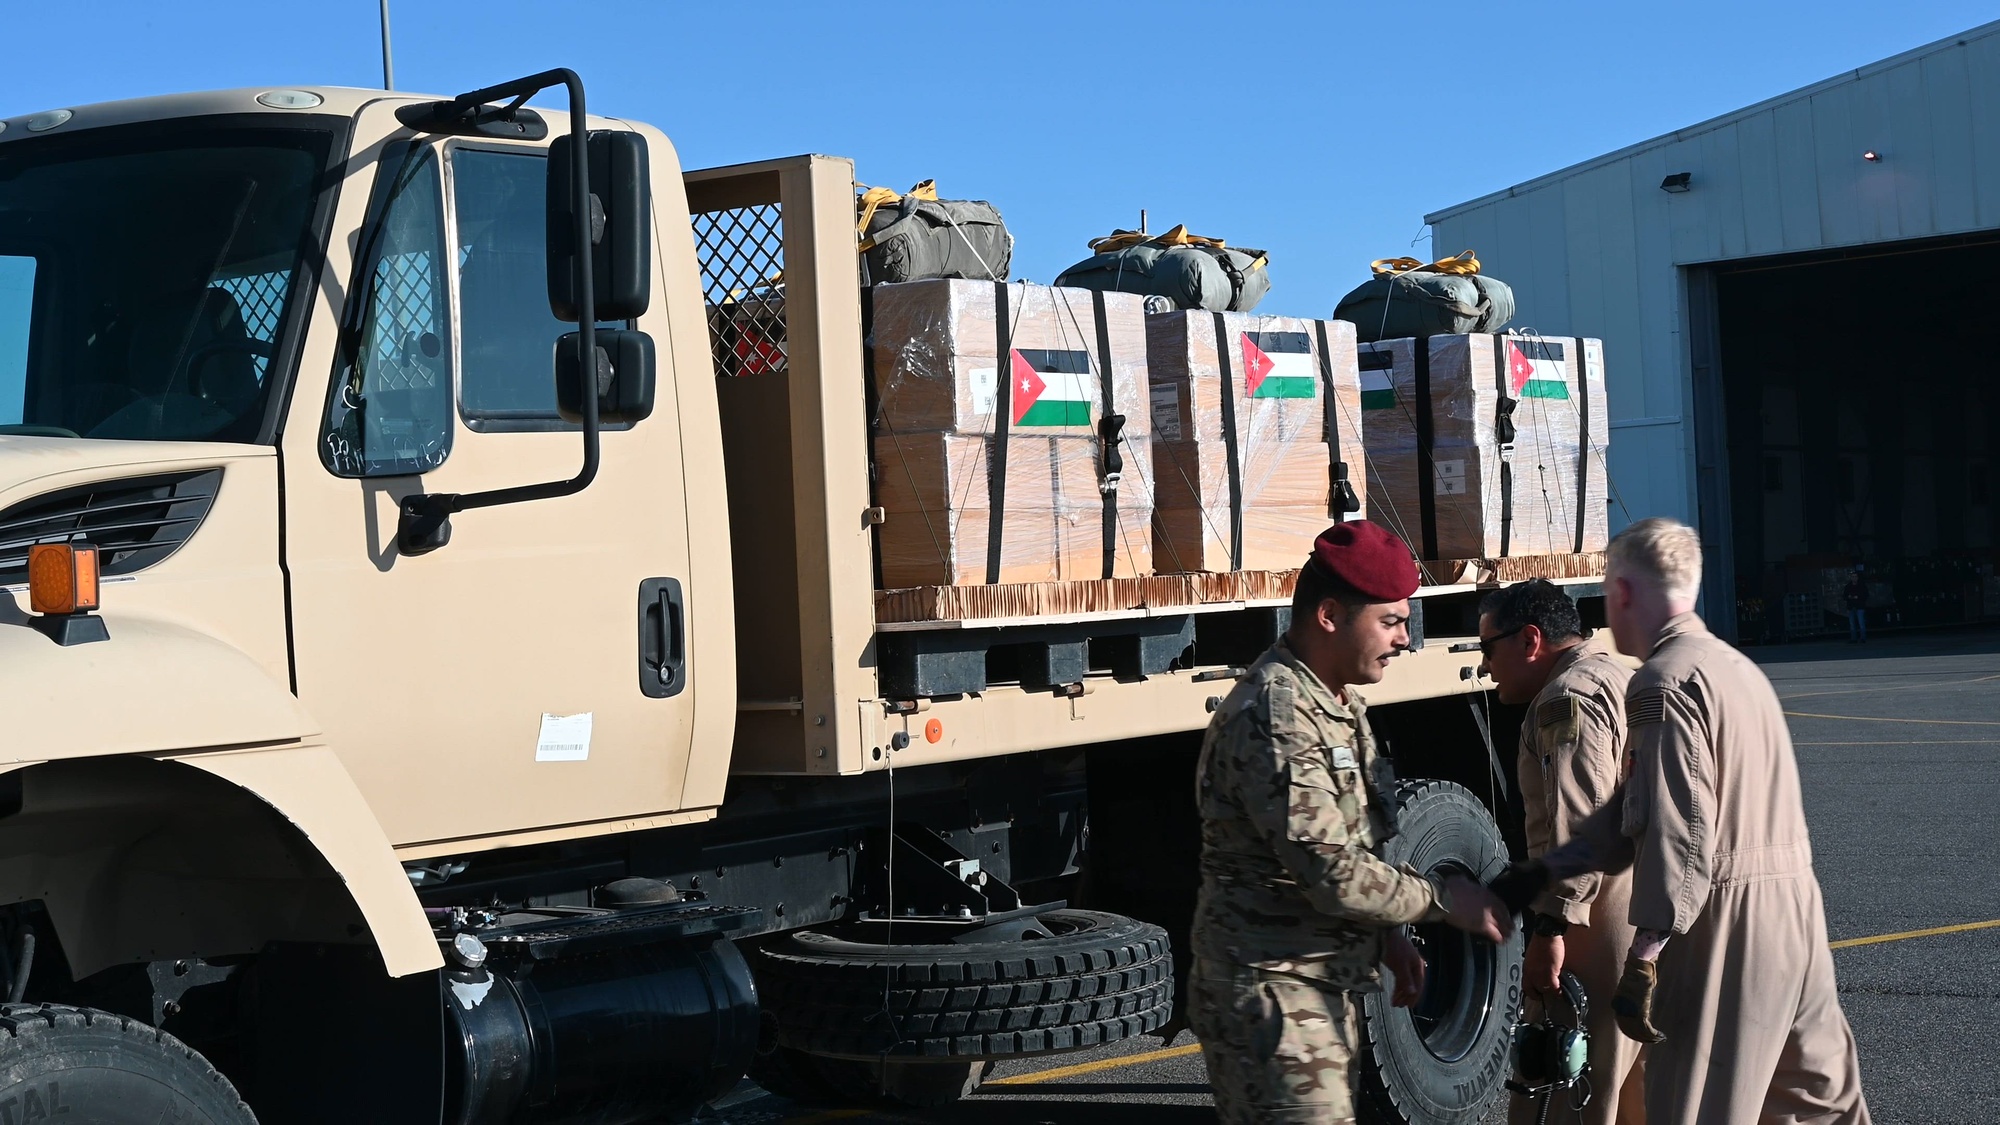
x: 1320, y: 132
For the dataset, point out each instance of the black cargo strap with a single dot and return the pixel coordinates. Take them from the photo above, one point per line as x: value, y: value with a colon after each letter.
x: 1582, y: 439
x: 1229, y: 451
x: 1503, y: 436
x: 1340, y: 498
x: 1420, y: 356
x: 1003, y: 420
x: 1110, y: 431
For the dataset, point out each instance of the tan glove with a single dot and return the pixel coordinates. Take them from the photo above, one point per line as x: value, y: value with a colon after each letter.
x: 1632, y: 1003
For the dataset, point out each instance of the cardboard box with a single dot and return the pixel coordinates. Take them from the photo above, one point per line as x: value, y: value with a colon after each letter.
x: 933, y: 345
x: 1468, y: 492
x: 1284, y: 496
x: 1275, y: 376
x: 935, y: 490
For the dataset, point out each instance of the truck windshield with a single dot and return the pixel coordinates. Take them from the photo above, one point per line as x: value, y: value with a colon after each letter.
x: 146, y: 277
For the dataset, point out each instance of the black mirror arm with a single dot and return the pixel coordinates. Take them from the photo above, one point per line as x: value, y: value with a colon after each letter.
x: 424, y: 524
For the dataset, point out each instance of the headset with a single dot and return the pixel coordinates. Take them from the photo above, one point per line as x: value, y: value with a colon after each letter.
x: 1551, y: 1056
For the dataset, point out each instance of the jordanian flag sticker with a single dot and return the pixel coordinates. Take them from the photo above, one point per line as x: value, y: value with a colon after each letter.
x: 1052, y: 388
x: 1535, y: 369
x: 1278, y: 365
x: 1377, y: 392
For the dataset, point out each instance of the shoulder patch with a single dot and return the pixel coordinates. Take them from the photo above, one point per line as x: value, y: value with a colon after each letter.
x: 1644, y: 707
x: 1556, y: 712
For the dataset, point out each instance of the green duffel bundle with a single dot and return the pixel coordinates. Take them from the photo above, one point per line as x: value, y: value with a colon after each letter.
x: 916, y: 236
x: 1191, y: 271
x: 1409, y: 300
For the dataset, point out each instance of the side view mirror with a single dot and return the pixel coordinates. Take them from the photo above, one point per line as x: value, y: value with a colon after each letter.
x: 621, y: 245
x: 624, y: 376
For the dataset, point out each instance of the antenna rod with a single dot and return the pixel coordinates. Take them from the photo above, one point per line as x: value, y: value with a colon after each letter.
x: 388, y: 63
x: 1142, y: 210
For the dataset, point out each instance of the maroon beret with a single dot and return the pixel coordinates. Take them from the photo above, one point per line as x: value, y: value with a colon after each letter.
x: 1367, y: 557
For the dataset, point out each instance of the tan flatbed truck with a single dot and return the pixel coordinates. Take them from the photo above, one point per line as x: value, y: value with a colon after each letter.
x: 386, y: 783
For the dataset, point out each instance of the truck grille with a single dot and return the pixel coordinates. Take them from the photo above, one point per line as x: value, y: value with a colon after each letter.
x: 134, y: 522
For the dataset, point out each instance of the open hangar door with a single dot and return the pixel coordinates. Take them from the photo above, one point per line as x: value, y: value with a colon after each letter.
x: 1852, y: 401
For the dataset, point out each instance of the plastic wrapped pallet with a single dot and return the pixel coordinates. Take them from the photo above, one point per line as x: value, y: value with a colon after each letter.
x: 1055, y: 524
x: 1487, y: 446
x: 1053, y: 421
x: 1253, y: 441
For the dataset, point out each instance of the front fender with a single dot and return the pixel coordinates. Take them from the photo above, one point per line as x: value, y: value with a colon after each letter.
x: 158, y: 692
x: 153, y: 687
x: 309, y: 787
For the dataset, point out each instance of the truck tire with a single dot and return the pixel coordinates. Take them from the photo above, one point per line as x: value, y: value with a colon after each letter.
x: 81, y: 1064
x: 1443, y: 1061
x: 1097, y: 979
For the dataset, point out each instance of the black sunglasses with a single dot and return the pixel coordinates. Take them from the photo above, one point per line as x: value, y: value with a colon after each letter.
x: 1486, y: 643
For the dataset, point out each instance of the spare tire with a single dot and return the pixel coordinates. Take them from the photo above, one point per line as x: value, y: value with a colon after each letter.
x: 1096, y: 978
x: 1444, y: 1060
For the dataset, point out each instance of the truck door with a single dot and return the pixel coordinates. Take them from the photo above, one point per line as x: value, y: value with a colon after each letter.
x: 493, y: 687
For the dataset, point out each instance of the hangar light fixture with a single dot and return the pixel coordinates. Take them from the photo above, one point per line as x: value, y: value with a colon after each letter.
x: 1872, y: 157
x: 1677, y: 182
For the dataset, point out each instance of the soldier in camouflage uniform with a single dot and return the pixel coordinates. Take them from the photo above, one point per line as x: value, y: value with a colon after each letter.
x: 1295, y: 910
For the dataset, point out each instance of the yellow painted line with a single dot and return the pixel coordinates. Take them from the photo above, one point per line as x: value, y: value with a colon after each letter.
x: 1094, y: 1067
x: 1908, y: 934
x: 1880, y: 719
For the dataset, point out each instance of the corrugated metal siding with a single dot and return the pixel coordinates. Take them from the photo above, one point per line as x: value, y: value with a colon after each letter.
x: 1596, y: 250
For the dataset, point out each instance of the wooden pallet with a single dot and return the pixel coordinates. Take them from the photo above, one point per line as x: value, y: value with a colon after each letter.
x: 944, y: 606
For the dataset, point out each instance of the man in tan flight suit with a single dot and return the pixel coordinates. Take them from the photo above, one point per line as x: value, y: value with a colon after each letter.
x: 1572, y: 750
x: 1730, y: 976
x: 1295, y: 911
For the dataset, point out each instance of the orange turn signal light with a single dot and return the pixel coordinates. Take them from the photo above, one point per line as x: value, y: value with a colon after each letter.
x: 62, y: 578
x: 933, y: 732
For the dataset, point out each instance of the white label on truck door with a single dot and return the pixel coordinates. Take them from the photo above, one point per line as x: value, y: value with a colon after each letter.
x: 564, y: 738
x: 1450, y: 478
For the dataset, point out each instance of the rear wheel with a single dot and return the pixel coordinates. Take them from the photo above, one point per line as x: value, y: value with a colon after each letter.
x: 1443, y: 1061
x: 81, y: 1064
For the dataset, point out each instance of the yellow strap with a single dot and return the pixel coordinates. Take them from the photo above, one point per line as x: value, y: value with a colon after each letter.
x: 877, y: 197
x: 1462, y: 263
x: 1179, y: 236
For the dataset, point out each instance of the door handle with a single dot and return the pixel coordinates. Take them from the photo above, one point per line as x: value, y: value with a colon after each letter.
x: 662, y: 638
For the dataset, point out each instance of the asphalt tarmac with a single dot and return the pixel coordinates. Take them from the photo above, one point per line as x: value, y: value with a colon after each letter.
x: 1899, y: 748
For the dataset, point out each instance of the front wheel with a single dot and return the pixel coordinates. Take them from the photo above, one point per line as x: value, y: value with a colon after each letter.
x: 79, y: 1064
x: 1443, y: 1061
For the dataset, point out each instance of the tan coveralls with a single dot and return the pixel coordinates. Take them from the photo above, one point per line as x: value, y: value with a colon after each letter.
x: 1572, y: 754
x: 1716, y: 835
x: 1293, y: 904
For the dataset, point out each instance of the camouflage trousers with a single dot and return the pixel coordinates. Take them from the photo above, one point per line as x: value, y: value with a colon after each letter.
x: 1278, y: 1047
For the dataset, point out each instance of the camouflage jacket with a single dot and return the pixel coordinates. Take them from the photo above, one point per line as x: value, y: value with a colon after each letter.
x: 1288, y: 881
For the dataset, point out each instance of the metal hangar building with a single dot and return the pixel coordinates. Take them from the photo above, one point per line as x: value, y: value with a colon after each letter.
x: 1795, y: 301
